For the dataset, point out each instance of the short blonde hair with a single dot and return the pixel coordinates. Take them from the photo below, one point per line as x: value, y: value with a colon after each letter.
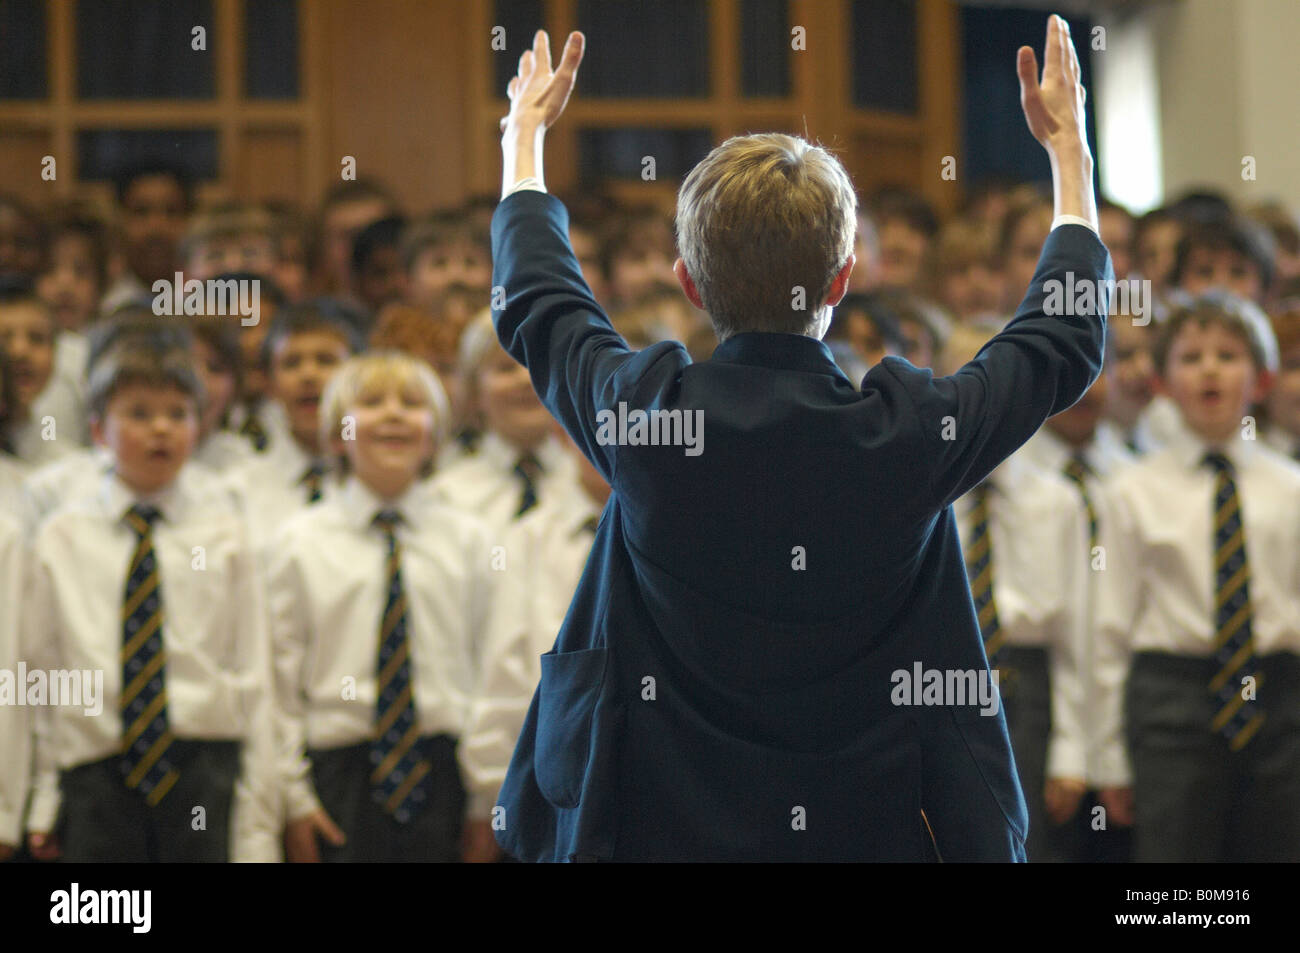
x: 386, y: 369
x: 759, y: 217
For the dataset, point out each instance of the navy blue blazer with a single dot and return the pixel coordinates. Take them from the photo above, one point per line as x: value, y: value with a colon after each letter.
x: 721, y: 686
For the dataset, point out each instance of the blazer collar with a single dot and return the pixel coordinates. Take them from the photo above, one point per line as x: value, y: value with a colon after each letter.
x: 784, y: 352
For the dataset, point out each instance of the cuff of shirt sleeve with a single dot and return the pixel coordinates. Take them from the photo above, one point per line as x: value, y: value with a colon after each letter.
x: 1111, y: 771
x: 44, y: 808
x: 300, y: 801
x: 1066, y: 759
x: 11, y: 828
x: 1071, y: 220
x: 530, y: 182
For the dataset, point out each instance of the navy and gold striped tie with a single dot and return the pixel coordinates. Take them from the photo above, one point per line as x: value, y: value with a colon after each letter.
x: 400, y: 780
x: 313, y: 480
x: 146, y: 733
x: 527, y: 468
x: 1077, y: 471
x: 1238, y: 718
x: 979, y: 566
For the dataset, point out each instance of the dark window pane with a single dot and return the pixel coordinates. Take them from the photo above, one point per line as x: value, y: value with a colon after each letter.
x: 645, y: 47
x: 765, y: 45
x: 22, y: 49
x: 520, y: 19
x: 271, y: 50
x: 883, y: 50
x: 141, y: 49
x: 106, y: 153
x: 621, y: 153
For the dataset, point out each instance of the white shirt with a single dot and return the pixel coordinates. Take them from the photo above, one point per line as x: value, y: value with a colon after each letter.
x: 224, y: 452
x: 486, y: 485
x: 328, y: 587
x: 1158, y: 589
x: 12, y: 474
x: 1039, y: 538
x: 545, y: 553
x: 214, y: 631
x: 15, y: 723
x: 1287, y: 444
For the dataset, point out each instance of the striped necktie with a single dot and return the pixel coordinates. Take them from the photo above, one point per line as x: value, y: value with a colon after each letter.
x: 1238, y: 719
x: 252, y: 429
x: 1077, y: 471
x: 528, y: 468
x: 979, y: 567
x: 146, y: 733
x: 314, y: 480
x: 400, y: 780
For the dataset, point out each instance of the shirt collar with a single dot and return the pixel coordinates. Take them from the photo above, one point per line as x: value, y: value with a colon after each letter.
x: 494, y: 448
x: 118, y: 497
x: 777, y: 351
x: 1189, y: 449
x: 362, y: 504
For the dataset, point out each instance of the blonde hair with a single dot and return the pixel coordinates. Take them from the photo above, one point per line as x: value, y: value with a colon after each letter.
x: 386, y: 369
x: 758, y: 218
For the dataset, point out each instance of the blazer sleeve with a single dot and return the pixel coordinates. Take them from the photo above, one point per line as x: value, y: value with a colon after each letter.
x: 1040, y: 364
x: 549, y: 322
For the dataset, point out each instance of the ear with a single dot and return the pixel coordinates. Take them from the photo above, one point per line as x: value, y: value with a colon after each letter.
x: 840, y: 286
x: 688, y: 286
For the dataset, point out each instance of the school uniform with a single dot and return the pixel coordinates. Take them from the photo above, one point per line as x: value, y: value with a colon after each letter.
x: 545, y: 552
x: 263, y: 426
x: 1287, y: 444
x: 222, y: 451
x: 1084, y: 468
x: 15, y: 730
x: 1024, y: 536
x: 276, y: 485
x: 722, y: 686
x: 12, y: 474
x: 1155, y: 426
x: 500, y: 483
x: 186, y: 716
x: 354, y: 588
x: 1200, y: 597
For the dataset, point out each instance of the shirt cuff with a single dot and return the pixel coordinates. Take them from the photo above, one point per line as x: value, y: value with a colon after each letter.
x: 1059, y: 220
x: 529, y: 182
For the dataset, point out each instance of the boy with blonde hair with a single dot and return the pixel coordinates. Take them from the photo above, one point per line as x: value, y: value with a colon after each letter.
x: 725, y: 685
x: 379, y: 597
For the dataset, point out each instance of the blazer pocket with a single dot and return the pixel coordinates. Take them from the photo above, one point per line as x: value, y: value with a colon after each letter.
x: 567, y: 696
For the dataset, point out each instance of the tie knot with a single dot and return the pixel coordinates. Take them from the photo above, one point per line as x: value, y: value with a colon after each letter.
x: 1219, y: 462
x: 528, y: 466
x: 1076, y: 468
x: 388, y: 520
x: 141, y: 517
x: 313, y: 474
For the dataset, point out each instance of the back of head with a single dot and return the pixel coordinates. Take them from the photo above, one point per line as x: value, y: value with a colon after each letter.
x: 764, y: 224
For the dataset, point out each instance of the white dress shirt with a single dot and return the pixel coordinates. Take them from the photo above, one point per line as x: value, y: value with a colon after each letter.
x: 15, y: 725
x: 328, y: 590
x: 12, y: 474
x: 485, y: 484
x: 218, y: 675
x: 1039, y: 537
x: 1158, y: 589
x: 545, y: 553
x: 1287, y: 444
x: 224, y: 452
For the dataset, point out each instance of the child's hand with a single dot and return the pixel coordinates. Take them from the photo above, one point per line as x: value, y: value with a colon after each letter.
x: 478, y: 845
x: 300, y: 845
x: 538, y: 95
x: 1054, y: 108
x: 1118, y: 803
x: 43, y: 846
x: 1062, y: 796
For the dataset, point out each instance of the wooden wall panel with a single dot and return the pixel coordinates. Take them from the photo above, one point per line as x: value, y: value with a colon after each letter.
x: 394, y: 82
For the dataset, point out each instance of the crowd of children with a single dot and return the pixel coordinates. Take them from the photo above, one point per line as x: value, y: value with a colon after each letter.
x: 313, y: 558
